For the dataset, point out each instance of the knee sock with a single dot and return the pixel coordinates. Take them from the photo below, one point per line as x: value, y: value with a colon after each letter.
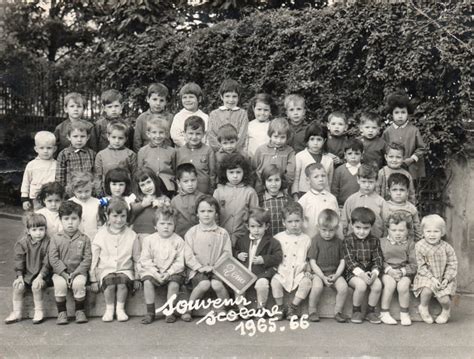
x: 403, y: 310
x: 61, y: 306
x: 80, y: 303
x: 120, y: 307
x: 370, y: 309
x: 356, y: 308
x: 150, y: 309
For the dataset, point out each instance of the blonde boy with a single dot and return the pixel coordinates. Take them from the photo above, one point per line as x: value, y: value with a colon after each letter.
x: 296, y: 113
x: 39, y: 171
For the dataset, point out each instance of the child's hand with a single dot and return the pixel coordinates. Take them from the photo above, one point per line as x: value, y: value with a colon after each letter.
x: 205, y: 269
x: 436, y: 283
x: 327, y: 281
x: 365, y: 276
x: 242, y: 256
x: 337, y: 160
x: 166, y: 276
x: 309, y: 275
x: 444, y: 283
x: 258, y: 260
x: 38, y: 283
x: 26, y: 205
x: 331, y: 278
x: 95, y: 287
x: 19, y: 283
x: 296, y: 197
x: 394, y: 274
x: 408, y: 161
x: 136, y: 285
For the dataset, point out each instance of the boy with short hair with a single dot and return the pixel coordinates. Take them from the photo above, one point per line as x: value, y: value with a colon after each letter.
x: 199, y: 154
x: 374, y: 145
x: 116, y: 154
x: 296, y: 111
x: 365, y: 197
x: 398, y: 185
x: 344, y: 182
x: 158, y: 155
x: 77, y: 157
x: 395, y: 153
x: 326, y: 258
x: 112, y: 106
x: 157, y: 98
x: 70, y: 257
x: 191, y: 96
x: 317, y: 198
x: 277, y: 152
x: 39, y: 171
x: 185, y: 201
x: 227, y: 136
x: 401, y: 130
x: 74, y: 109
x: 337, y: 127
x: 364, y: 263
x: 229, y: 112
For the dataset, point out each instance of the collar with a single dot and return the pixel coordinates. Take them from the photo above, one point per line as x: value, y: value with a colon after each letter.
x: 365, y: 195
x: 115, y: 149
x: 270, y: 145
x: 341, y: 136
x: 162, y: 145
x: 208, y: 229
x: 395, y: 243
x: 182, y: 193
x: 77, y: 150
x: 318, y: 193
x: 253, y: 239
x: 193, y: 148
x: 353, y: 168
x: 37, y: 158
x: 224, y: 108
x: 296, y: 127
x: 221, y: 150
x: 402, y: 126
x: 76, y: 235
x: 241, y: 184
x: 116, y: 233
x: 269, y: 196
x: 35, y: 242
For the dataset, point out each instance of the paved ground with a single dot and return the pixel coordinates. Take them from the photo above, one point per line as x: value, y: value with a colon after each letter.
x: 133, y: 339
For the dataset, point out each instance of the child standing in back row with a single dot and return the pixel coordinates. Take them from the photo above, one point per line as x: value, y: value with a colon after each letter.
x: 374, y: 145
x: 296, y: 113
x: 337, y: 127
x: 261, y: 108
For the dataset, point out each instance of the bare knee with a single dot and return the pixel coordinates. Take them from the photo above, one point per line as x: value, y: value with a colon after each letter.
x: 444, y: 300
x: 376, y: 286
x: 204, y: 285
x: 217, y: 285
x: 262, y: 284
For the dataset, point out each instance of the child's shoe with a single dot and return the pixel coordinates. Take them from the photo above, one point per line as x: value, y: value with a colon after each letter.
x: 38, y: 317
x: 281, y: 313
x: 62, y: 318
x: 81, y: 317
x: 292, y: 312
x: 405, y: 318
x: 340, y: 318
x: 357, y: 317
x: 425, y: 314
x: 443, y: 317
x: 108, y: 315
x: 386, y: 318
x: 14, y: 317
x: 373, y: 318
x: 186, y: 317
x: 121, y: 315
x: 170, y: 318
x: 313, y: 317
x: 148, y: 319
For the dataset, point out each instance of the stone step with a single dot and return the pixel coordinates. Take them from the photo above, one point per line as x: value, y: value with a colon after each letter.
x: 135, y: 306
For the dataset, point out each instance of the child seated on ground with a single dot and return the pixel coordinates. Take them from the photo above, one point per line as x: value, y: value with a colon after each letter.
x: 394, y: 157
x: 364, y: 262
x: 31, y: 267
x: 229, y: 112
x: 39, y: 171
x: 374, y: 145
x: 292, y: 274
x: 401, y: 130
x: 326, y: 258
x: 51, y: 196
x: 157, y: 99
x: 259, y: 252
x: 205, y: 244
x: 276, y: 151
x: 185, y: 201
x: 296, y: 113
x: 162, y: 261
x: 77, y: 157
x: 158, y: 155
x: 260, y: 109
x: 191, y: 96
x: 437, y: 269
x: 316, y: 199
x: 399, y: 264
x: 227, y: 137
x: 74, y: 109
x: 365, y: 197
x: 70, y: 258
x: 115, y: 255
x: 337, y: 137
x: 398, y: 185
x: 199, y: 154
x: 315, y: 137
x: 115, y: 154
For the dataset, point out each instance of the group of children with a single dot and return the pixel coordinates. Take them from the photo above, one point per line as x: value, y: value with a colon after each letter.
x: 299, y: 203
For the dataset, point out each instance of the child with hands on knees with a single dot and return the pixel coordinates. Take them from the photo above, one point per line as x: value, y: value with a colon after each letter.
x: 276, y: 151
x: 364, y: 262
x: 191, y: 96
x: 259, y: 252
x: 31, y: 267
x: 315, y: 137
x: 51, y: 196
x: 205, y: 244
x: 115, y: 256
x: 149, y: 189
x: 261, y: 108
x: 293, y: 272
x: 70, y: 258
x: 235, y: 195
x: 296, y: 113
x: 437, y: 269
x: 399, y: 264
x: 337, y: 127
x: 275, y: 198
x: 39, y: 171
x: 374, y: 145
x: 326, y: 258
x: 162, y: 261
